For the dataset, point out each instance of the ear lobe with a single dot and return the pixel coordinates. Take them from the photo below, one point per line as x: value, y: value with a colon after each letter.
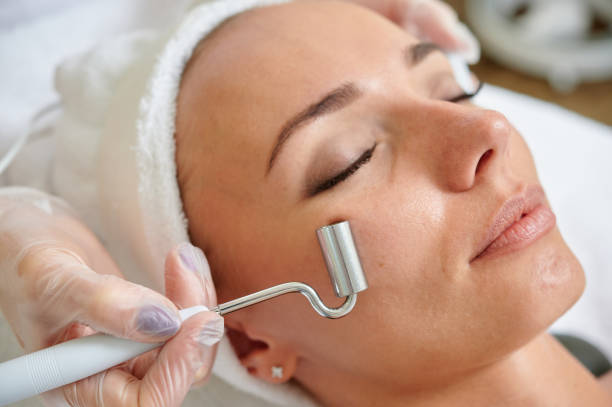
x: 264, y: 358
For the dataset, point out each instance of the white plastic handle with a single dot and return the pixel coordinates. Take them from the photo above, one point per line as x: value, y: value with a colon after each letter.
x: 70, y: 361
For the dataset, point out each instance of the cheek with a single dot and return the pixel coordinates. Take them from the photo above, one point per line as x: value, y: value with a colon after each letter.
x: 397, y: 240
x: 400, y: 244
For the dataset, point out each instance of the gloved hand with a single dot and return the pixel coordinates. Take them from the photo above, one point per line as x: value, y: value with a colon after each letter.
x: 59, y: 283
x: 429, y: 20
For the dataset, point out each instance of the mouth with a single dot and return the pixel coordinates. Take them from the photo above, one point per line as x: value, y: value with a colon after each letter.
x: 520, y: 221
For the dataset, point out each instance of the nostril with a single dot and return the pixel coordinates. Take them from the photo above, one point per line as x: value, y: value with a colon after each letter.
x: 483, y: 159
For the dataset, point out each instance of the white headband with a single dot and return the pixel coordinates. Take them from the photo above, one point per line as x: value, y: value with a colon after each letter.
x: 120, y: 148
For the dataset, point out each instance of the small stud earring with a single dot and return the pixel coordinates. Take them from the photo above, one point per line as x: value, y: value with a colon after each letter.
x: 277, y: 372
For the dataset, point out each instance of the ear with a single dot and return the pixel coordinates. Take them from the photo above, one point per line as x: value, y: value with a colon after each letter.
x: 263, y: 357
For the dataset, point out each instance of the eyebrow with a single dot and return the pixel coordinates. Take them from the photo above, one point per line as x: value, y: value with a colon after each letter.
x: 415, y: 54
x: 341, y: 98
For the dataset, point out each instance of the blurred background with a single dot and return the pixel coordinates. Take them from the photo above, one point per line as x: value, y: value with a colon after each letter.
x: 581, y: 32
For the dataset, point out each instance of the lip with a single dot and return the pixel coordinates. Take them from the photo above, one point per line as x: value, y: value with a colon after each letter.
x: 520, y: 221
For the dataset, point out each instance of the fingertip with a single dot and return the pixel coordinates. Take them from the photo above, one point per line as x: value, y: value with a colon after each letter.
x: 438, y: 22
x: 188, y: 280
x: 212, y: 331
x: 157, y: 321
x: 193, y: 259
x: 204, y: 326
x: 469, y: 47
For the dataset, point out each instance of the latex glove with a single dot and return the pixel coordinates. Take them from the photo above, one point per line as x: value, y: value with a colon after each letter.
x: 429, y: 20
x: 59, y: 283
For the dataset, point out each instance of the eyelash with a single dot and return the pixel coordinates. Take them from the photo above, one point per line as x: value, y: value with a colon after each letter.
x: 367, y: 155
x: 465, y: 96
x: 336, y: 179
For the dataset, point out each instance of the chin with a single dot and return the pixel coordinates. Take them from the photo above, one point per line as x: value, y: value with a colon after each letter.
x: 534, y: 287
x: 559, y: 279
x: 556, y: 283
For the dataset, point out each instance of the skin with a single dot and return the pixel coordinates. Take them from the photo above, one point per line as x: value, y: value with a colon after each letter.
x: 434, y: 327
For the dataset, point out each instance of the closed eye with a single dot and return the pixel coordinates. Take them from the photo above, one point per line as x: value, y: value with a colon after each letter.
x: 343, y: 176
x: 465, y: 96
x: 367, y: 155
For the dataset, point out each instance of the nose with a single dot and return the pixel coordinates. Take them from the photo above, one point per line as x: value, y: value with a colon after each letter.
x: 471, y: 144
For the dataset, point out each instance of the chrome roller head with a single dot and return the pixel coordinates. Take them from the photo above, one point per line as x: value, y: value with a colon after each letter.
x: 342, y: 259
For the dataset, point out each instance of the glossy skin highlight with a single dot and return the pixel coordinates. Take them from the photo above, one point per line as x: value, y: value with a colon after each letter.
x: 418, y: 208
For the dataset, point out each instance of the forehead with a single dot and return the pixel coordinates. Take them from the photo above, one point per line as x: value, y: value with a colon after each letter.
x: 264, y: 66
x: 280, y: 39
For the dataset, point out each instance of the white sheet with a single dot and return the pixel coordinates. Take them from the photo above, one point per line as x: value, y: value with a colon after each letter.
x: 573, y: 154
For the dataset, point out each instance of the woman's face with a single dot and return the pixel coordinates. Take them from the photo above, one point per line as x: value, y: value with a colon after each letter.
x: 297, y: 116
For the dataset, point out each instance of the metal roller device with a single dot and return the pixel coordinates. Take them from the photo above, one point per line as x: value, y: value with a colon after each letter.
x: 70, y: 361
x: 343, y: 266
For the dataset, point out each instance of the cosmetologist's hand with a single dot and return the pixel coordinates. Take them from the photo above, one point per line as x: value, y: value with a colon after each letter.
x: 429, y: 20
x: 58, y: 283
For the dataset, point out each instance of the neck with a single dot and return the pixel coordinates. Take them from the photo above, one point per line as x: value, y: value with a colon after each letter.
x: 542, y: 373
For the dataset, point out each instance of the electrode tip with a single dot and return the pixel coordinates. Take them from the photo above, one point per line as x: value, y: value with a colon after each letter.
x: 342, y: 259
